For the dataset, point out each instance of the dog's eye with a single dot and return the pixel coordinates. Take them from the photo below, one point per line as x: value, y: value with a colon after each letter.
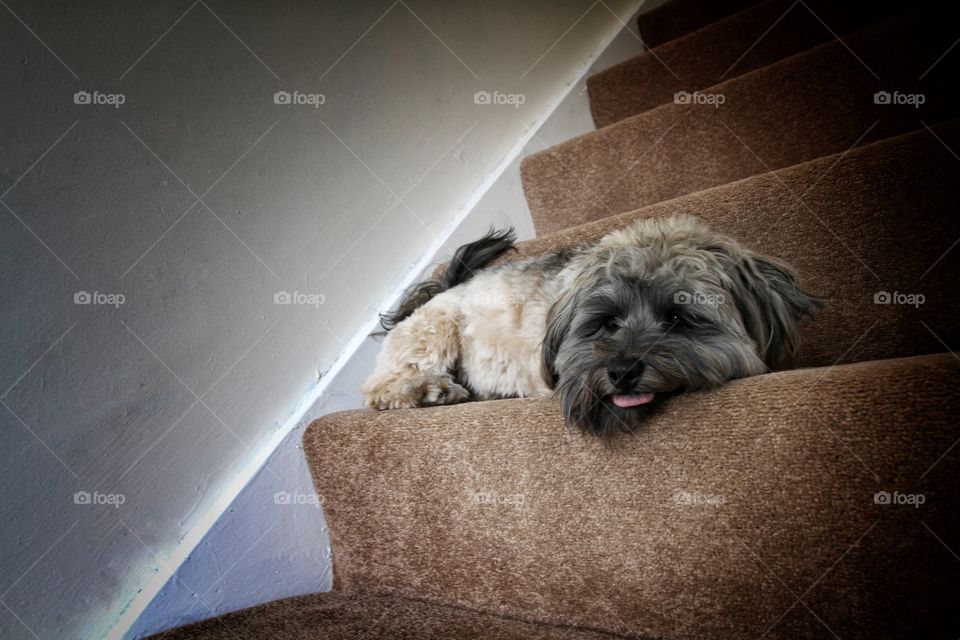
x: 611, y: 324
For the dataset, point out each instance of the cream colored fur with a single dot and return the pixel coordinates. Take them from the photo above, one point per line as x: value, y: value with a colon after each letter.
x: 491, y: 326
x: 484, y: 338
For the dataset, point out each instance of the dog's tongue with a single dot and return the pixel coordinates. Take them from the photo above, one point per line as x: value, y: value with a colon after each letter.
x: 632, y: 401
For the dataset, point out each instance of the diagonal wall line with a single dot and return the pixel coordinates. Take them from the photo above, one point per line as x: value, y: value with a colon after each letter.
x: 557, y: 41
x: 157, y: 41
x: 40, y: 40
x: 445, y: 46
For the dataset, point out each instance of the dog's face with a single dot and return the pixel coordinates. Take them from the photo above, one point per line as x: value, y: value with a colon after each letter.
x: 663, y: 307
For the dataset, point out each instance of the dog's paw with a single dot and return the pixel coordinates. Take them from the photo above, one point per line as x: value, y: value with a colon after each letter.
x: 430, y: 390
x: 420, y: 390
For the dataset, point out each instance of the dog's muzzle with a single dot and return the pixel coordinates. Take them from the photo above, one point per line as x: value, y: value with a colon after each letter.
x: 624, y: 377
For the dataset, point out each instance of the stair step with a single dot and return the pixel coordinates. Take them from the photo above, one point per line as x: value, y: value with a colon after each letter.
x: 881, y: 217
x: 349, y: 616
x: 680, y: 17
x: 494, y: 506
x: 752, y: 38
x: 812, y: 104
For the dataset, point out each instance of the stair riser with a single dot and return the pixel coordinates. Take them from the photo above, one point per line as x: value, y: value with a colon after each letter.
x: 680, y: 17
x: 810, y: 105
x: 672, y: 533
x: 757, y: 36
x: 881, y: 218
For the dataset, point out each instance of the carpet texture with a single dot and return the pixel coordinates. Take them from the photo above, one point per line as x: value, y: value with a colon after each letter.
x: 708, y: 523
x: 879, y: 218
x: 676, y: 18
x: 817, y: 502
x: 350, y: 616
x: 752, y: 38
x: 809, y: 105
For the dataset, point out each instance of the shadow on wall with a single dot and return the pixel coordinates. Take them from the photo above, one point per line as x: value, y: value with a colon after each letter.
x: 198, y: 211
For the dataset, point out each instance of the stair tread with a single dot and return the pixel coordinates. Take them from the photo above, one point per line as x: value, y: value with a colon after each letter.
x: 758, y: 35
x: 679, y: 17
x: 347, y: 616
x: 876, y: 218
x: 495, y: 506
x: 676, y: 149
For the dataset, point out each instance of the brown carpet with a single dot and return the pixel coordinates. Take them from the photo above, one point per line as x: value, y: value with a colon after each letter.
x: 351, y: 616
x: 881, y: 217
x: 752, y: 38
x: 709, y: 523
x: 811, y: 503
x: 809, y: 105
x: 679, y: 17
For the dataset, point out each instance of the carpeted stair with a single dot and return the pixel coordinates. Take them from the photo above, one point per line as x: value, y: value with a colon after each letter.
x: 676, y: 18
x: 818, y: 502
x: 758, y: 35
x: 815, y: 103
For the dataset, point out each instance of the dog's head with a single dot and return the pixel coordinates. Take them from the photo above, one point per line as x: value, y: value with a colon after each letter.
x: 661, y: 307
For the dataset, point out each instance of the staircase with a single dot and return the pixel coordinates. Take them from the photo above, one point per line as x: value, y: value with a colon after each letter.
x: 817, y: 502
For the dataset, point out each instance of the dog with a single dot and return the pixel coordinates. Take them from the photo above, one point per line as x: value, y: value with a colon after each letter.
x: 611, y: 328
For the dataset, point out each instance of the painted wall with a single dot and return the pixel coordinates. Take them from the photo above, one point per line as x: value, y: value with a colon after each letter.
x: 170, y: 174
x: 261, y: 550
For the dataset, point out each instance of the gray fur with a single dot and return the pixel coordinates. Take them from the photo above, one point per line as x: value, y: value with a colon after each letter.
x: 627, y: 316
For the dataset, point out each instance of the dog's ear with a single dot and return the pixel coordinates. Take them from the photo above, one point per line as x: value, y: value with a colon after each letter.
x: 782, y: 304
x: 770, y: 301
x: 559, y: 319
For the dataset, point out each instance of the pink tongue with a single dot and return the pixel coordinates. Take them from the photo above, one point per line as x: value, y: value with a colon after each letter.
x: 632, y: 401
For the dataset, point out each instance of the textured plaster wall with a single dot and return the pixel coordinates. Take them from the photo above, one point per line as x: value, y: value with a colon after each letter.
x: 145, y: 162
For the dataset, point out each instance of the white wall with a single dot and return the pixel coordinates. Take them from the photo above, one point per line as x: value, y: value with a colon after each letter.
x: 259, y: 550
x: 173, y: 399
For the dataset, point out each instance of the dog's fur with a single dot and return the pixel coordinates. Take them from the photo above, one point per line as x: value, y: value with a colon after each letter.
x: 662, y: 306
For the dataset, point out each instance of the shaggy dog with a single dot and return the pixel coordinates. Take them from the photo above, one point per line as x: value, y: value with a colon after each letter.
x: 611, y: 328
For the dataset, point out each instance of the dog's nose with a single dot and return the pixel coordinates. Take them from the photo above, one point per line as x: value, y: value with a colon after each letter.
x: 624, y: 377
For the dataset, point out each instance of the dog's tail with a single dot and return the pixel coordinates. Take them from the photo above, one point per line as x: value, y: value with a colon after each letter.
x: 467, y: 260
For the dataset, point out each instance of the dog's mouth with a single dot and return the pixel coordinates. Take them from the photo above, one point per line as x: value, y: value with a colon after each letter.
x: 632, y: 400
